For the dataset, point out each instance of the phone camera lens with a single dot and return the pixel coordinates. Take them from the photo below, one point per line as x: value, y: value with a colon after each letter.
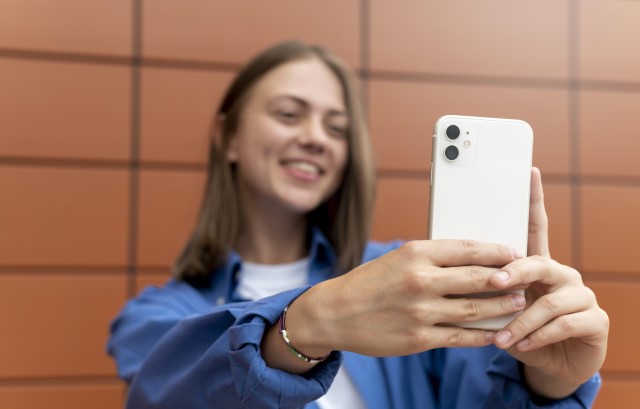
x: 451, y: 152
x: 453, y: 132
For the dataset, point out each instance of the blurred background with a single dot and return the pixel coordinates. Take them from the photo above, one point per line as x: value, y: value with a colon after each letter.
x: 105, y: 108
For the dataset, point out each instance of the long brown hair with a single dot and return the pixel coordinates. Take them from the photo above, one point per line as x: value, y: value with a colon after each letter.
x: 344, y: 218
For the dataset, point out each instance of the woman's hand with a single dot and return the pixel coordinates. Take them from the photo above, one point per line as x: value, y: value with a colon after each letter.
x: 393, y: 305
x: 561, y: 337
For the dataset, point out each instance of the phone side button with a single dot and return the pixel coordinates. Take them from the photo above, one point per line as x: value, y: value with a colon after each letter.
x: 431, y: 174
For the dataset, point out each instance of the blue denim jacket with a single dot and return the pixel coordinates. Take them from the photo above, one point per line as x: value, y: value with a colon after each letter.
x: 192, y: 348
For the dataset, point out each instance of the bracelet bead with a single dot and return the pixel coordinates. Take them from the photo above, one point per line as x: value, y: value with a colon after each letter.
x: 294, y: 351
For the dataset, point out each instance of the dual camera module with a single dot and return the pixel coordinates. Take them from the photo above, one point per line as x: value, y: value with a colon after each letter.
x: 451, y: 152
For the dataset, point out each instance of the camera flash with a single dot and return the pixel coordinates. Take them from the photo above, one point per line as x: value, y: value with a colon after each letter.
x: 466, y: 143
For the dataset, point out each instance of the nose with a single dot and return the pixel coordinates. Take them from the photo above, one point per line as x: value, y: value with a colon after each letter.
x: 313, y: 137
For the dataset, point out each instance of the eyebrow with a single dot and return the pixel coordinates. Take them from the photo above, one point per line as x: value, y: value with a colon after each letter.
x: 305, y: 103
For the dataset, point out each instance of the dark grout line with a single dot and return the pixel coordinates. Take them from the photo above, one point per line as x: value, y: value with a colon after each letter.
x: 8, y: 270
x: 469, y: 79
x: 154, y: 62
x: 633, y: 376
x: 99, y: 164
x: 608, y: 277
x: 364, y: 72
x: 191, y: 167
x: 56, y: 56
x: 62, y: 380
x: 574, y: 136
x: 64, y: 162
x: 134, y: 176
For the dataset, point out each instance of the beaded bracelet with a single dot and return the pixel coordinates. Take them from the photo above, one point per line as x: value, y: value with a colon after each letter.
x: 285, y: 338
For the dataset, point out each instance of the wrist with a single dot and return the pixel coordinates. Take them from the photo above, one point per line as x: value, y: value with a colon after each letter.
x: 547, y: 386
x: 307, y: 324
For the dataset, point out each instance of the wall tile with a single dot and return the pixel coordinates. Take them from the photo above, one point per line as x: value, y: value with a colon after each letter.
x: 57, y: 325
x: 97, y: 27
x: 623, y: 338
x: 81, y: 396
x: 177, y: 112
x: 609, y: 143
x: 557, y: 199
x: 466, y: 37
x: 169, y: 202
x: 68, y: 217
x: 617, y: 393
x: 64, y: 110
x: 402, y: 116
x: 609, y: 229
x: 144, y: 280
x: 226, y: 31
x: 608, y: 45
x: 402, y: 209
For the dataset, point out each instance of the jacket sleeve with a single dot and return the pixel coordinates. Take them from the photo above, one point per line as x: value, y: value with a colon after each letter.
x: 491, y: 378
x: 176, y: 350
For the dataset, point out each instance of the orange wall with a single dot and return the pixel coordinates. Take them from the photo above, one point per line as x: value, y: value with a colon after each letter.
x: 104, y: 110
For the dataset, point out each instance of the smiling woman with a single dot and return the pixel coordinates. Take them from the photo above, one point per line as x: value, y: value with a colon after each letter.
x: 278, y: 280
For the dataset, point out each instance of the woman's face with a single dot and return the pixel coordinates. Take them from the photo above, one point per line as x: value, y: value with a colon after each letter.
x: 290, y: 148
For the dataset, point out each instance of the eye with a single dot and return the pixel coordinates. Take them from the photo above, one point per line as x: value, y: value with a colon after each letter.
x: 338, y: 130
x: 337, y: 127
x: 287, y: 114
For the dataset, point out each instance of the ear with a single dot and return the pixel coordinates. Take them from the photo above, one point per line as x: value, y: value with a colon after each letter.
x: 232, y: 153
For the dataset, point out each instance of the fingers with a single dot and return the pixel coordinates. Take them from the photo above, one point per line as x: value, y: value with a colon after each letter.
x: 583, y: 325
x: 533, y: 269
x: 462, y: 310
x: 464, y: 280
x: 538, y: 241
x: 448, y: 253
x: 543, y: 318
x: 440, y: 336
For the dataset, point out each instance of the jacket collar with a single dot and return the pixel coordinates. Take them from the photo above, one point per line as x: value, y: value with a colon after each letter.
x: 322, y: 266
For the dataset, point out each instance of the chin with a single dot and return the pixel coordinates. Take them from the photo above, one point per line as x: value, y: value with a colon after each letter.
x: 302, y: 204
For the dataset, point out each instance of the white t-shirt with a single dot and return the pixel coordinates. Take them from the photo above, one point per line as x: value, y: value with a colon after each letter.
x: 257, y: 281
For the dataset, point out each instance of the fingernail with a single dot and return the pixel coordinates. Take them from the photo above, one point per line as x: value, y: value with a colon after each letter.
x: 502, y: 276
x: 503, y: 337
x: 523, y: 343
x: 516, y: 253
x: 518, y: 300
x: 489, y: 336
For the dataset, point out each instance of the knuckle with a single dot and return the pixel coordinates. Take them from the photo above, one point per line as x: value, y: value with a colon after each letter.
x: 470, y: 247
x: 604, y: 319
x: 541, y: 337
x: 411, y: 249
x: 455, y: 337
x: 420, y: 341
x: 506, y: 303
x: 416, y: 313
x: 550, y: 303
x: 470, y: 309
x: 414, y: 282
x: 519, y: 326
x: 566, y: 324
x: 591, y: 296
x: 543, y: 261
x: 504, y: 252
x: 476, y: 277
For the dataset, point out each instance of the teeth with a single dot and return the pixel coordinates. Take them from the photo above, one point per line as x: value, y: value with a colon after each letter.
x: 305, y: 167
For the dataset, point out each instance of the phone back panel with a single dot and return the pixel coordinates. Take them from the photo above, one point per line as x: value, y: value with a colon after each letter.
x: 484, y: 193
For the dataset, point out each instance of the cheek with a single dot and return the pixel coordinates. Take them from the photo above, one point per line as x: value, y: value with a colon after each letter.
x: 342, y: 156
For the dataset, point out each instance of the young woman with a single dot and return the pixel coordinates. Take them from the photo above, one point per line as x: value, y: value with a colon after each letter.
x: 278, y: 299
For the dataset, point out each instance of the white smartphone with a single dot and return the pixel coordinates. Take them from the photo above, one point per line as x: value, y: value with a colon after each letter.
x: 480, y: 186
